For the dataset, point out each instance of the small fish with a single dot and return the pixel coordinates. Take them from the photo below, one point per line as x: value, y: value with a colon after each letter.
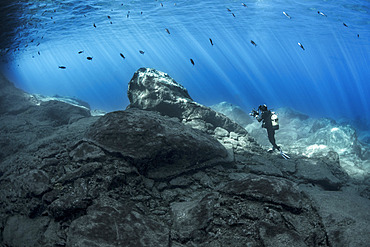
x: 62, y: 67
x: 108, y: 17
x: 244, y: 5
x: 253, y: 43
x: 89, y: 58
x: 122, y: 56
x: 358, y: 36
x: 111, y: 22
x: 141, y: 12
x: 38, y: 53
x: 233, y: 14
x: 301, y: 45
x: 162, y: 4
x: 285, y: 13
x: 192, y: 61
x: 168, y: 31
x: 127, y: 16
x: 38, y: 44
x: 345, y: 24
x: 321, y: 13
x: 80, y: 52
x: 94, y: 25
x: 228, y: 9
x: 210, y: 40
x: 141, y: 52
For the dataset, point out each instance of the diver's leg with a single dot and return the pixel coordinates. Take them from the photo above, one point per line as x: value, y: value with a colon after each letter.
x: 271, y: 136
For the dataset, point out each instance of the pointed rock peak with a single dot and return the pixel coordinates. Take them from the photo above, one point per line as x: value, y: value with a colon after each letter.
x: 148, y: 87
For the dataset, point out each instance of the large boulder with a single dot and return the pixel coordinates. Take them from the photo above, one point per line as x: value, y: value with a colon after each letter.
x: 158, y: 145
x: 153, y: 90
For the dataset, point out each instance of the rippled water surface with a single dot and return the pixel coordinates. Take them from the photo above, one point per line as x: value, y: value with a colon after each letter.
x: 329, y: 77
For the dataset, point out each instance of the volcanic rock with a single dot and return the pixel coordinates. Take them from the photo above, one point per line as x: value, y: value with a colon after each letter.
x: 141, y: 178
x: 158, y: 145
x: 153, y: 90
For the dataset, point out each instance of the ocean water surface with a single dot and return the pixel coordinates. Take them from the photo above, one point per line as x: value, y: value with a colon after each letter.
x: 90, y: 50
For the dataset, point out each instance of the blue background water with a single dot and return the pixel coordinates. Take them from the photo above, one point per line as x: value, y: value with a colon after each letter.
x: 330, y: 78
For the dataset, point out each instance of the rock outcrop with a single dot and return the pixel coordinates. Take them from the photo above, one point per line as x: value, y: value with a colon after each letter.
x: 153, y: 90
x: 141, y: 178
x: 159, y: 146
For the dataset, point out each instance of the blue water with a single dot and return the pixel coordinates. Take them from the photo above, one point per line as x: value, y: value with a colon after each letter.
x: 330, y: 78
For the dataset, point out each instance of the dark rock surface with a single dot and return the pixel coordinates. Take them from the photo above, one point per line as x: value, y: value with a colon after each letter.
x: 140, y: 178
x: 159, y: 146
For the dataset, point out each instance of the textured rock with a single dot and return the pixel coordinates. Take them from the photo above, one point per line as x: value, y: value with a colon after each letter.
x: 345, y: 216
x: 138, y: 178
x: 12, y: 100
x: 191, y: 218
x: 267, y: 189
x: 58, y: 113
x: 158, y: 145
x: 36, y: 182
x: 24, y: 120
x: 314, y: 138
x: 20, y: 231
x: 110, y: 223
x: 322, y: 172
x: 153, y: 90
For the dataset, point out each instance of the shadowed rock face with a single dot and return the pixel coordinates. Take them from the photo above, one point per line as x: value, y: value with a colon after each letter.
x: 158, y: 145
x: 140, y: 178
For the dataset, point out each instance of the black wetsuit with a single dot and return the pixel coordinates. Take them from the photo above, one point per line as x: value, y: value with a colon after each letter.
x: 267, y: 123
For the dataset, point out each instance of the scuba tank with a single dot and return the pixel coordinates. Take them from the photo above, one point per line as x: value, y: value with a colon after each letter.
x: 274, y: 121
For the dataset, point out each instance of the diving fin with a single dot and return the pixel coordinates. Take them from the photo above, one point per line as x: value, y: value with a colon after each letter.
x: 285, y: 156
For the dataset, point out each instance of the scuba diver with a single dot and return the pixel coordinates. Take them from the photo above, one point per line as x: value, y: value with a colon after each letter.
x: 270, y: 121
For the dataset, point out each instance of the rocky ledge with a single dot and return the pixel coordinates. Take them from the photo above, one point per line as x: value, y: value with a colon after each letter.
x: 167, y: 171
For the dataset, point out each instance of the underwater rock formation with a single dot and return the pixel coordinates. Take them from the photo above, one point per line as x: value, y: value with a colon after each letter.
x: 310, y: 137
x: 139, y: 178
x: 159, y: 146
x: 153, y: 90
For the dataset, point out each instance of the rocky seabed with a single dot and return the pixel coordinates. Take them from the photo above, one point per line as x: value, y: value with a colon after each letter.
x: 166, y: 171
